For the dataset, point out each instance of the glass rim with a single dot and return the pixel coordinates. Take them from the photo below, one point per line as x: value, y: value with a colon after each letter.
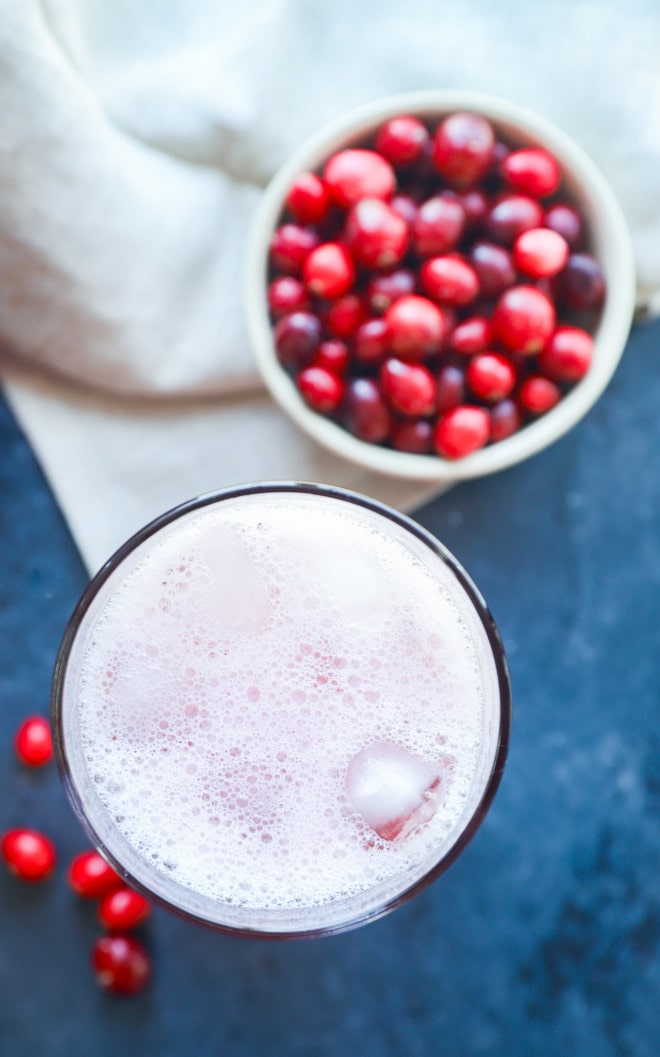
x: 481, y: 609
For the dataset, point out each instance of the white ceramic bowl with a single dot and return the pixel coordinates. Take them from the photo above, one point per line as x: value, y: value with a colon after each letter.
x: 609, y: 242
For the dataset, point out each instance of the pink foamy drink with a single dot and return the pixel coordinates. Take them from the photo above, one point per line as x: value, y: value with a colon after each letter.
x: 281, y: 710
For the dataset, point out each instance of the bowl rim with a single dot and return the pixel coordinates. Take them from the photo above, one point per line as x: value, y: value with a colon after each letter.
x: 609, y: 230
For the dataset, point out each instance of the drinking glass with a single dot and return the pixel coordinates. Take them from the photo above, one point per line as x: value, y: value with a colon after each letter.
x: 155, y: 877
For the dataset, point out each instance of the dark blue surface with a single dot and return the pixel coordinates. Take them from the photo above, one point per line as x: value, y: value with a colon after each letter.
x: 544, y: 938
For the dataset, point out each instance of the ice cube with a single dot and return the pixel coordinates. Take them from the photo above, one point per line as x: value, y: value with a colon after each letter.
x: 394, y: 791
x: 239, y: 601
x: 356, y: 585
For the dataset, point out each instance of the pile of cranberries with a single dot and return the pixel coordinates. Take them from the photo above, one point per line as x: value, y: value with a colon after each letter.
x: 432, y: 289
x: 120, y: 961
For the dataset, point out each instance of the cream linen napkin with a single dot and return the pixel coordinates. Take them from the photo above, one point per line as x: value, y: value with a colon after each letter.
x: 134, y: 141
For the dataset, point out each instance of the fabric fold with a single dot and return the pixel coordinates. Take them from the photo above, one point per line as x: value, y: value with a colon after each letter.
x: 134, y: 142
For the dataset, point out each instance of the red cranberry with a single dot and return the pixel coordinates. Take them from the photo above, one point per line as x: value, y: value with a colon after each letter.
x: 121, y: 964
x: 491, y: 376
x: 123, y: 910
x: 371, y: 341
x: 308, y: 199
x: 438, y: 226
x: 297, y: 337
x: 321, y: 389
x: 33, y: 742
x: 383, y: 290
x: 468, y: 236
x: 329, y: 271
x: 567, y: 355
x: 353, y: 174
x: 405, y: 207
x: 416, y: 326
x: 290, y: 246
x: 510, y: 216
x: 500, y: 152
x: 463, y: 148
x: 471, y: 335
x: 333, y: 355
x: 91, y: 877
x: 524, y: 319
x: 343, y: 316
x: 376, y: 235
x: 475, y: 207
x: 413, y: 435
x: 566, y: 221
x: 538, y: 394
x: 450, y: 382
x: 540, y: 253
x: 461, y: 431
x: 402, y: 140
x: 366, y: 415
x: 285, y: 295
x: 505, y: 420
x: 582, y: 283
x: 494, y: 268
x: 28, y: 854
x: 409, y: 388
x: 532, y: 171
x: 449, y: 280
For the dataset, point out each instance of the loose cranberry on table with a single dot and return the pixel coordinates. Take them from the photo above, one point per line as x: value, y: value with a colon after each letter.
x: 121, y: 964
x: 33, y: 742
x: 123, y: 910
x: 91, y: 877
x: 431, y: 288
x: 28, y: 854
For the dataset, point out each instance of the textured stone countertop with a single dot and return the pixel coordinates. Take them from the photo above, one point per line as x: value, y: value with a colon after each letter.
x: 544, y: 938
